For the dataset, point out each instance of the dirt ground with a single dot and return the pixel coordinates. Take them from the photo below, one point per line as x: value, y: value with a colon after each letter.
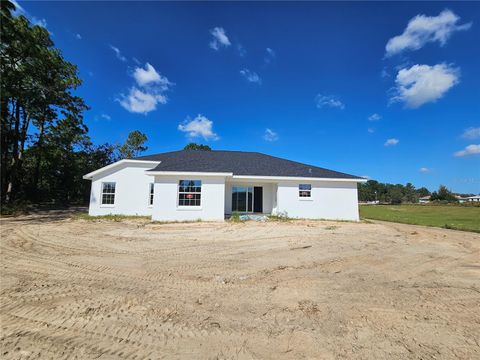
x: 76, y: 289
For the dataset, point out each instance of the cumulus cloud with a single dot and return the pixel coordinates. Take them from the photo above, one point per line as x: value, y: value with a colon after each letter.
x: 148, y: 75
x: 374, y: 117
x: 251, y: 76
x: 219, y: 38
x: 471, y: 133
x: 469, y: 150
x: 140, y: 101
x: 424, y: 29
x: 421, y: 84
x: 118, y: 53
x: 425, y: 170
x: 328, y: 101
x: 198, y: 127
x: 148, y: 92
x: 270, y: 135
x: 371, y: 130
x: 106, y: 116
x: 78, y: 36
x: 391, y: 142
x: 269, y: 55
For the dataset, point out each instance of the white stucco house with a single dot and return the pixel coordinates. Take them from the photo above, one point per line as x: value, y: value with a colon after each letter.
x: 210, y: 185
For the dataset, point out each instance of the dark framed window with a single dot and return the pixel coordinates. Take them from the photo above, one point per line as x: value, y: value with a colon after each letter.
x: 305, y: 190
x: 108, y: 193
x: 150, y: 194
x: 189, y: 192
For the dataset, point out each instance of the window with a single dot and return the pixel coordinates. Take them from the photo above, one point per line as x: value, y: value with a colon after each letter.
x: 189, y: 192
x: 305, y: 190
x: 108, y: 193
x: 150, y: 195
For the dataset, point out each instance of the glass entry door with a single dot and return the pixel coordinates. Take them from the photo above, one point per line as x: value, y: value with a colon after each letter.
x: 242, y: 199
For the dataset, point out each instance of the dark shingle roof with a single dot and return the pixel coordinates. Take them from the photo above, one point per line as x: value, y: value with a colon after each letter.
x: 238, y: 163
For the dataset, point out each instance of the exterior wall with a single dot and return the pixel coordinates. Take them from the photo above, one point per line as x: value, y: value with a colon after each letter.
x: 165, y: 207
x: 132, y: 188
x: 329, y: 200
x: 268, y: 195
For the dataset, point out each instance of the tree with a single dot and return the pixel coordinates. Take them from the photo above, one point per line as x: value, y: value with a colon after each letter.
x: 423, y: 191
x: 36, y: 89
x: 134, y: 145
x: 194, y: 146
x: 443, y: 194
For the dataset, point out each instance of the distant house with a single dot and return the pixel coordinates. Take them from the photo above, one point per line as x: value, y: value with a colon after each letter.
x: 207, y: 185
x: 424, y: 199
x: 475, y: 198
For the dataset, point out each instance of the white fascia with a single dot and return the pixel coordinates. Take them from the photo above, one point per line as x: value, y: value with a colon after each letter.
x: 278, y: 178
x: 187, y: 173
x: 90, y: 176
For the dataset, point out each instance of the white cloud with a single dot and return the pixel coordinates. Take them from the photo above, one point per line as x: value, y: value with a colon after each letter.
x: 421, y: 84
x: 148, y: 93
x: 425, y: 170
x: 199, y: 127
x: 270, y: 135
x: 220, y: 38
x: 423, y: 29
x: 391, y: 142
x: 141, y: 101
x: 251, y: 76
x: 371, y: 130
x: 374, y: 117
x: 471, y: 133
x: 78, y: 36
x: 118, y: 53
x: 269, y: 55
x: 469, y: 150
x: 106, y: 116
x: 148, y: 76
x: 328, y: 101
x: 19, y: 10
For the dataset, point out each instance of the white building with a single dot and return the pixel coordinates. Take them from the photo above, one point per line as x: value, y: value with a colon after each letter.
x: 209, y: 185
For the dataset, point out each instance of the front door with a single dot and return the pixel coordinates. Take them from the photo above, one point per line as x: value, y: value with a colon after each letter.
x: 258, y: 199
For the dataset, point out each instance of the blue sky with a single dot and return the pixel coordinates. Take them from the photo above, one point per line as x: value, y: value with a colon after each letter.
x: 385, y: 90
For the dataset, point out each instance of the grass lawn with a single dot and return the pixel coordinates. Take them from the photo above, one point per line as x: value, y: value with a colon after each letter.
x: 446, y: 216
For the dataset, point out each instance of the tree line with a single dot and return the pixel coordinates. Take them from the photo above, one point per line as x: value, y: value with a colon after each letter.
x: 45, y: 146
x: 397, y: 193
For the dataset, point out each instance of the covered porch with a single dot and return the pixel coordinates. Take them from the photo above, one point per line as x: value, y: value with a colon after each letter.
x: 250, y: 197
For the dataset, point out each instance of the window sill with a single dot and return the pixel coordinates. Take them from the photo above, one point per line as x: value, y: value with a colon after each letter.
x: 107, y: 205
x: 305, y: 199
x: 186, y: 208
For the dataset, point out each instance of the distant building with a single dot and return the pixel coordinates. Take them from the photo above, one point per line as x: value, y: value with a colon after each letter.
x: 424, y: 199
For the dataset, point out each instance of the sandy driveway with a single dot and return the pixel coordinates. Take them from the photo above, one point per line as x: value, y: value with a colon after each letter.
x: 134, y: 290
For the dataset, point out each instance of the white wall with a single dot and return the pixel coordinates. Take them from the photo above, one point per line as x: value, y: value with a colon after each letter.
x: 166, y: 207
x: 131, y: 192
x: 268, y: 194
x: 329, y: 200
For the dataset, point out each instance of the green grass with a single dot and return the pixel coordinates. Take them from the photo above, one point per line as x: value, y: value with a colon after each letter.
x: 452, y: 216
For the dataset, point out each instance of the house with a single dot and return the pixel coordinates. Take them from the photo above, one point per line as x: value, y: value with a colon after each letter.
x: 475, y: 198
x: 424, y: 199
x: 209, y: 185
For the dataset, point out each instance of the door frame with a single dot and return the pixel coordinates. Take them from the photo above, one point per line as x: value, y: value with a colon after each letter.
x: 246, y: 186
